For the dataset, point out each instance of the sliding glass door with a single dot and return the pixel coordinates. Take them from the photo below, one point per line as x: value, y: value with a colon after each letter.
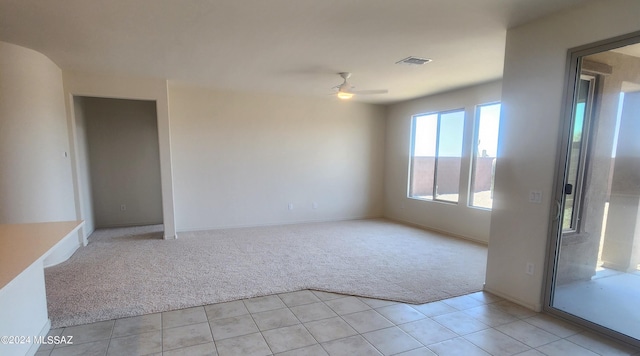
x: 594, y: 274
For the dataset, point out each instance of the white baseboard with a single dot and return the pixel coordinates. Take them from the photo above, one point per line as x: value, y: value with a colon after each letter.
x: 535, y: 307
x: 282, y: 223
x: 428, y: 228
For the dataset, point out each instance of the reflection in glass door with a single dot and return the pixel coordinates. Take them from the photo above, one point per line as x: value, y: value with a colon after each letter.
x: 595, y: 277
x: 577, y: 156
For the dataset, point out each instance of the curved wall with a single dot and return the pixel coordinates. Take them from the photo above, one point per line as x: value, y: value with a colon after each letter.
x: 35, y: 179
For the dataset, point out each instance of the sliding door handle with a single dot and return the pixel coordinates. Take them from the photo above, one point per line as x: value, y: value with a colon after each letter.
x: 568, y: 189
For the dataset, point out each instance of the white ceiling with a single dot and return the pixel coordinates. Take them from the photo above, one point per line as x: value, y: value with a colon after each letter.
x: 281, y: 46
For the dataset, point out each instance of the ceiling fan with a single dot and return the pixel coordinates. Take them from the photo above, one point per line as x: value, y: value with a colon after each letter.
x: 346, y: 90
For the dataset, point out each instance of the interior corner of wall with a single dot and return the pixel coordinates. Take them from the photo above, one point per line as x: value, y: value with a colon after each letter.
x: 537, y: 307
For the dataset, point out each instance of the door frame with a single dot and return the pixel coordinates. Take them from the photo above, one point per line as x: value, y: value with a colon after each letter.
x: 89, y: 139
x: 573, y: 72
x: 108, y: 86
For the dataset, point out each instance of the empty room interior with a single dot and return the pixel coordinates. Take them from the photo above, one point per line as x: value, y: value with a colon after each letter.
x: 320, y: 177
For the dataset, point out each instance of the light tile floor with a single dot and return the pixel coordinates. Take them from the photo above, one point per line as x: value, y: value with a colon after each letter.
x: 320, y: 323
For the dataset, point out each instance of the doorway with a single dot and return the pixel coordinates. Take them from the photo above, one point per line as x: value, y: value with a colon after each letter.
x: 119, y: 162
x: 594, y: 274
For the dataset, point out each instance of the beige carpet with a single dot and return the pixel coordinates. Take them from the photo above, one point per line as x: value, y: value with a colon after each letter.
x: 132, y: 271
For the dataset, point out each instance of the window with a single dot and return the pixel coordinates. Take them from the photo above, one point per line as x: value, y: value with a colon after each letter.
x: 484, y: 156
x: 436, y: 156
x: 574, y: 186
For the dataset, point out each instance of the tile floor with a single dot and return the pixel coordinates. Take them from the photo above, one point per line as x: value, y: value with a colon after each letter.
x: 320, y: 323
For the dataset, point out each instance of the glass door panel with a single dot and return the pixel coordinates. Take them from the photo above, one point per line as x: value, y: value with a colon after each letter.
x: 577, y: 154
x: 595, y: 276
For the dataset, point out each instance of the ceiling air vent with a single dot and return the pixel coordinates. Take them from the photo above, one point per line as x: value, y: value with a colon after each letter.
x: 414, y: 61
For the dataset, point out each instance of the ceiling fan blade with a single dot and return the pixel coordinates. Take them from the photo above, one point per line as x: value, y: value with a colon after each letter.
x: 346, y: 90
x: 368, y: 92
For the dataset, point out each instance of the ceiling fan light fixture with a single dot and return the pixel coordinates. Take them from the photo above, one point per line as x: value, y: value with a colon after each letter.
x: 345, y: 91
x: 344, y: 95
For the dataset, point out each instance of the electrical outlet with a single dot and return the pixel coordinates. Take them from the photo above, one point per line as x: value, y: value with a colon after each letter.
x: 123, y: 207
x: 314, y: 205
x: 290, y: 206
x: 530, y: 268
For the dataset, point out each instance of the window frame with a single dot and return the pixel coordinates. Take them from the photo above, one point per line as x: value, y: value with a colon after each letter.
x: 412, y: 156
x: 575, y: 222
x: 474, y: 153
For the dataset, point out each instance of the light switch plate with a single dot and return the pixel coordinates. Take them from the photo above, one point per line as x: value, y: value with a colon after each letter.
x: 535, y: 196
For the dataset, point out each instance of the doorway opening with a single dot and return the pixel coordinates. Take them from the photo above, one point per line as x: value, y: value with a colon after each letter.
x: 118, y: 162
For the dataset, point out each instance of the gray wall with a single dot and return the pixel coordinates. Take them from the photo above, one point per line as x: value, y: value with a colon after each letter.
x: 124, y: 164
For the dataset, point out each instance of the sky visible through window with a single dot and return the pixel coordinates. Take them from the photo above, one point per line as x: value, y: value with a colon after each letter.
x: 488, y: 130
x: 577, y: 125
x: 451, y: 127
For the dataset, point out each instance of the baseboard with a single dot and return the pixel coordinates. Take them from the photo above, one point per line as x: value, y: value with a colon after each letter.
x: 241, y: 226
x: 115, y: 226
x: 429, y: 228
x: 87, y: 234
x: 535, y: 307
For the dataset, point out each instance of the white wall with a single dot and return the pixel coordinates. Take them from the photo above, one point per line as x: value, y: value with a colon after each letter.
x: 23, y: 310
x: 240, y: 159
x: 532, y: 95
x: 35, y: 178
x: 457, y: 219
x: 84, y: 200
x: 124, y: 161
x: 114, y: 86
